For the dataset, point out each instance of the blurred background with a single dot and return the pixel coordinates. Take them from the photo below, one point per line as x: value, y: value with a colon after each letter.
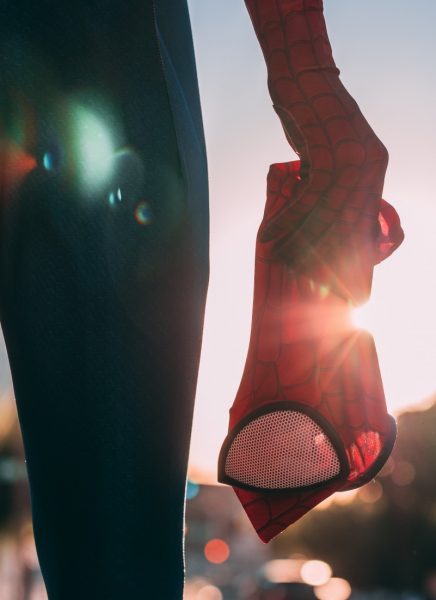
x: 375, y: 543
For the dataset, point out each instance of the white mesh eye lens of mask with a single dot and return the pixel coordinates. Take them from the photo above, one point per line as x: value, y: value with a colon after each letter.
x: 280, y: 450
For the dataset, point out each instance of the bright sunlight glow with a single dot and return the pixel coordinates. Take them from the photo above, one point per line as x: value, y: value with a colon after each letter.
x: 93, y: 146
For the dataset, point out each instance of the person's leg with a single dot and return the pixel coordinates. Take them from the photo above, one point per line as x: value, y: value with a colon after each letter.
x: 102, y: 295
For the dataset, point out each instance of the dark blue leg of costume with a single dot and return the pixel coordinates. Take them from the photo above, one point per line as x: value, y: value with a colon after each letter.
x: 103, y: 272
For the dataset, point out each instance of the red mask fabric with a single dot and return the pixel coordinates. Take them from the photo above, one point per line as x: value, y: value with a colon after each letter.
x: 310, y: 416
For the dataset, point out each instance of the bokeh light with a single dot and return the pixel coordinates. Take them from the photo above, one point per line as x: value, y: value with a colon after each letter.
x: 403, y: 473
x: 282, y: 570
x: 192, y: 490
x: 371, y: 492
x: 193, y: 586
x: 209, y: 592
x: 388, y: 468
x: 315, y: 572
x: 216, y: 551
x: 334, y: 589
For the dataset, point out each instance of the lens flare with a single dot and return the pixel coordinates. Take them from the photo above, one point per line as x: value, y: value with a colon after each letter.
x: 93, y: 147
x: 48, y: 161
x: 143, y: 214
x: 16, y: 164
x: 362, y: 317
x: 114, y: 198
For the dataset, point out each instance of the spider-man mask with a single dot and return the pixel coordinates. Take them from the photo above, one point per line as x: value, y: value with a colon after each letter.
x: 310, y: 417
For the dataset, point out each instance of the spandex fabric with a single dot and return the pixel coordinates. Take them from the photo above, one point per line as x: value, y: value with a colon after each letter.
x: 103, y: 275
x: 310, y: 416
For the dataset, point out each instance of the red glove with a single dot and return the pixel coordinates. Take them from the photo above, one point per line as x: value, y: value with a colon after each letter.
x: 343, y: 163
x: 310, y: 415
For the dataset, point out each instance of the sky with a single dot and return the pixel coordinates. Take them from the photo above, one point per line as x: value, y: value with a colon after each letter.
x: 385, y: 52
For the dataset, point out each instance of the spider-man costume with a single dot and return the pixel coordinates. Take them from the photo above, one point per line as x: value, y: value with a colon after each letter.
x: 310, y: 416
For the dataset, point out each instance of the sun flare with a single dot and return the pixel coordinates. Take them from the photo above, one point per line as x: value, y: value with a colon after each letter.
x: 362, y: 317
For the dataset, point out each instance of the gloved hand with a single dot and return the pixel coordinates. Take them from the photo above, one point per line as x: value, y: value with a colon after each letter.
x: 343, y: 163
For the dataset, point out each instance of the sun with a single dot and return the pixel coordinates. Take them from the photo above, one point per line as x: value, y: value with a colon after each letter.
x: 363, y: 317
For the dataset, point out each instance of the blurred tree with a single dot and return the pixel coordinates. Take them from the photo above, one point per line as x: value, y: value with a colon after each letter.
x: 6, y: 453
x: 14, y: 494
